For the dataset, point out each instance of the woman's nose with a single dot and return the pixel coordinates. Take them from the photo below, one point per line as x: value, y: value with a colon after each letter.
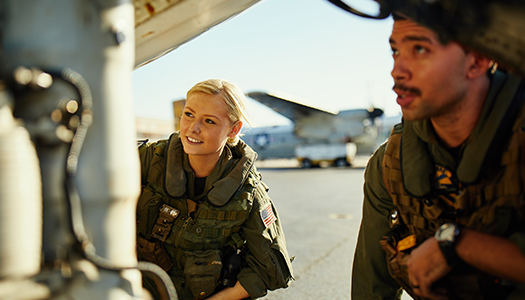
x: 195, y: 127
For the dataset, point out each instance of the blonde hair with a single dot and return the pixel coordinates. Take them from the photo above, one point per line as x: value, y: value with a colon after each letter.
x: 232, y: 97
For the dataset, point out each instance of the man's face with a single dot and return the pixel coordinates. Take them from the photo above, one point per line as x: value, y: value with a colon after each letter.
x: 430, y: 78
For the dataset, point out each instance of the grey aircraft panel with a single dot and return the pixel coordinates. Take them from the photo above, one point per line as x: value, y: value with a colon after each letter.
x: 288, y: 108
x: 313, y: 125
x: 272, y: 142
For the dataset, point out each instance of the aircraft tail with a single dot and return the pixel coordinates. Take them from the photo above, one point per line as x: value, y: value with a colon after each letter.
x: 178, y: 107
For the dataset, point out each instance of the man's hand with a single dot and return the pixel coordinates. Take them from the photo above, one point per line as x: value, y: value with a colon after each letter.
x: 426, y: 265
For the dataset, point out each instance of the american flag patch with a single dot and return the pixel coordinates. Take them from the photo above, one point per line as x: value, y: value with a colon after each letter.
x: 267, y: 215
x: 141, y: 143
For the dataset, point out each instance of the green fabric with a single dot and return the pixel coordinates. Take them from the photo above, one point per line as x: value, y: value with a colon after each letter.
x: 421, y: 151
x: 234, y: 197
x: 221, y: 187
x: 414, y: 153
x: 487, y: 131
x: 370, y: 277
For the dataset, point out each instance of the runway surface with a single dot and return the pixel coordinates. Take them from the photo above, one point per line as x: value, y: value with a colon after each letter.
x: 320, y: 210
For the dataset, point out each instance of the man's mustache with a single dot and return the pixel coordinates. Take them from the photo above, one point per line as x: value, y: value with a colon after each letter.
x: 411, y: 90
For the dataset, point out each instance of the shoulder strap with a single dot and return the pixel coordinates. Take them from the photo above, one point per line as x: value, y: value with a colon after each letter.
x: 147, y: 153
x: 390, y: 163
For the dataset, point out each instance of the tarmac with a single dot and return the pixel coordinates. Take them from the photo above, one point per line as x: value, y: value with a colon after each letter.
x: 320, y: 211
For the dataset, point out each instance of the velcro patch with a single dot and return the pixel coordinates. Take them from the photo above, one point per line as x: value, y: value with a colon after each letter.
x: 267, y: 215
x: 406, y: 243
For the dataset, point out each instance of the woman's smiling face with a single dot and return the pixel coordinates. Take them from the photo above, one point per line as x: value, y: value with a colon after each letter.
x: 205, y: 126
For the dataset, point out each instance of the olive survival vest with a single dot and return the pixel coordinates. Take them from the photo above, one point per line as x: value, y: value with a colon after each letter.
x: 481, y: 204
x: 493, y: 204
x: 167, y: 234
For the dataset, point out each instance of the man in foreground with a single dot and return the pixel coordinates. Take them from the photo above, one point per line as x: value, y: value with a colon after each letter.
x: 444, y: 196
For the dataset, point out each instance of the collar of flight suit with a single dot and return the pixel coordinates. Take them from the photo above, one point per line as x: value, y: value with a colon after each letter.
x: 419, y: 144
x: 227, y: 177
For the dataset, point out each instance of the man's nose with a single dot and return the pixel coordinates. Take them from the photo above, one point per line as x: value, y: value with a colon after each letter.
x: 400, y: 71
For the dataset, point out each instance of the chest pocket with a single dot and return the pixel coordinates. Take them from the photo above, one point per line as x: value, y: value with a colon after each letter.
x: 147, y: 211
x: 202, y: 270
x: 212, y: 226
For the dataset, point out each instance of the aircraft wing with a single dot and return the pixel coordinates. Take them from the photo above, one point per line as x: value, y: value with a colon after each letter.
x: 162, y: 26
x: 288, y: 108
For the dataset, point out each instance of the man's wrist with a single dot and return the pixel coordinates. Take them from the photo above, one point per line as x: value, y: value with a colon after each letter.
x: 447, y: 236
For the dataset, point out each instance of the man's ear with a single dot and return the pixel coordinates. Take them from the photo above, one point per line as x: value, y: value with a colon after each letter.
x: 479, y: 65
x: 235, y: 129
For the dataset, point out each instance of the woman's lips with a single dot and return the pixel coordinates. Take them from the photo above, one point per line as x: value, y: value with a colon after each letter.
x: 193, y: 141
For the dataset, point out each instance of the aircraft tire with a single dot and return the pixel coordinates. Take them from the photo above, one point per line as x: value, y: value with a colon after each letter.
x: 306, y: 163
x: 341, y: 163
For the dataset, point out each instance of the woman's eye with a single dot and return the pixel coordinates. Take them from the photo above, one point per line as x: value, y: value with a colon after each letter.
x: 188, y: 114
x: 209, y: 121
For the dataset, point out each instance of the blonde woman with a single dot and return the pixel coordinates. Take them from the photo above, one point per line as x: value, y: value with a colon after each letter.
x: 204, y: 214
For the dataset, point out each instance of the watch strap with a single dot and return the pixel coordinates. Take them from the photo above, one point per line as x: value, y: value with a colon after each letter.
x: 450, y: 254
x: 448, y: 249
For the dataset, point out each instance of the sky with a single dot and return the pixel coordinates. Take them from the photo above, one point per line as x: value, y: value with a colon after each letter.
x: 307, y: 50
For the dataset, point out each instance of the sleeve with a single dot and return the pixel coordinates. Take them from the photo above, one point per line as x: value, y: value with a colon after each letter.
x: 370, y: 276
x: 268, y: 265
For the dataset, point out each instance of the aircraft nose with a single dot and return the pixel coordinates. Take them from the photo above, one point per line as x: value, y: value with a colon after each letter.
x: 376, y: 112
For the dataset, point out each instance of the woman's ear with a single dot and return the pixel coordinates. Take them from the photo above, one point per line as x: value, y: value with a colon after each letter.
x: 235, y: 129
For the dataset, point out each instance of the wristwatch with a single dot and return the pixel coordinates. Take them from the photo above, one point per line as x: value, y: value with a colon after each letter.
x: 446, y: 237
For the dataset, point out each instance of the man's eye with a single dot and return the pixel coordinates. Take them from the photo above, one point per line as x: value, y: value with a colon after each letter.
x: 420, y: 50
x: 188, y: 114
x: 395, y: 52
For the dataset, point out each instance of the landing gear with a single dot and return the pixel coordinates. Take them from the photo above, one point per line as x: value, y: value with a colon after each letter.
x: 306, y: 163
x: 341, y: 163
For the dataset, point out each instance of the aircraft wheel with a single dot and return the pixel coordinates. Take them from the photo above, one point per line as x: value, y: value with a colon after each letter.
x: 306, y: 163
x: 341, y: 163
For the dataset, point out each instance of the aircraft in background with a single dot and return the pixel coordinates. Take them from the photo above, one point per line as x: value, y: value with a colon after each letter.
x: 316, y: 135
x: 317, y: 129
x: 272, y: 141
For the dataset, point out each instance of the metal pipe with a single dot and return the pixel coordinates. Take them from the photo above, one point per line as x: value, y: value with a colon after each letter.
x: 96, y: 39
x: 20, y: 199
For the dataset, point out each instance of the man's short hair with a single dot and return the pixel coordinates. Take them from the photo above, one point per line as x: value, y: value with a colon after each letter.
x: 397, y: 17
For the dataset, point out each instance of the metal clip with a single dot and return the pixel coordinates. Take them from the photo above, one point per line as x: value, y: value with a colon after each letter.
x: 162, y: 227
x: 394, y: 218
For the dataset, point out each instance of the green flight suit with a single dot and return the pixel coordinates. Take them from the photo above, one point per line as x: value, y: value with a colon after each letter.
x: 234, y: 206
x: 370, y: 275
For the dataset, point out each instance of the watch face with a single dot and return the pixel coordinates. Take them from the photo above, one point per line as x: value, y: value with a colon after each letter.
x: 447, y: 232
x: 446, y: 237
